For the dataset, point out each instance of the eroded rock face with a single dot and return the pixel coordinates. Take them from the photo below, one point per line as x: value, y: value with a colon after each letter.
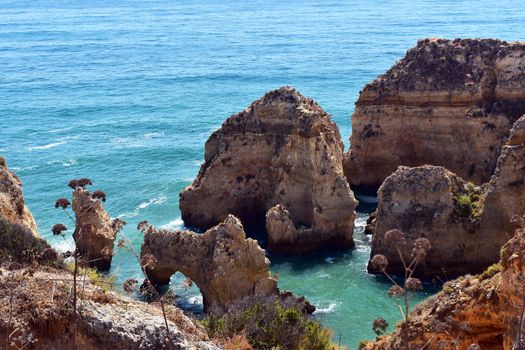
x: 223, y: 263
x: 283, y: 149
x: 483, y: 310
x: 506, y: 191
x: 94, y: 232
x: 447, y: 102
x: 426, y: 202
x: 12, y: 204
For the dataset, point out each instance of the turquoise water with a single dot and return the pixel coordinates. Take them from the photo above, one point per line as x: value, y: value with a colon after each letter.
x: 126, y: 93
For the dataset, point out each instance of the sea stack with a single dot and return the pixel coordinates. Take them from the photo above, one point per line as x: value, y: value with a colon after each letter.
x: 447, y: 102
x: 94, y: 231
x: 282, y: 150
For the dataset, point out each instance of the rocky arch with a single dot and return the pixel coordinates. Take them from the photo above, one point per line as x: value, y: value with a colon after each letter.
x: 222, y: 262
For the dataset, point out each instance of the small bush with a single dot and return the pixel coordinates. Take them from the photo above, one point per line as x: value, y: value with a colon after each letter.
x: 104, y: 281
x: 491, y: 271
x: 18, y: 244
x: 269, y: 323
x: 467, y: 203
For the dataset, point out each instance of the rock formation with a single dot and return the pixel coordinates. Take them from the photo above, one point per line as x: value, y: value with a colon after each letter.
x: 12, y: 204
x: 466, y: 225
x: 483, y: 310
x: 434, y: 203
x: 283, y: 149
x: 223, y: 263
x: 506, y: 191
x: 35, y: 305
x: 447, y: 102
x: 94, y: 232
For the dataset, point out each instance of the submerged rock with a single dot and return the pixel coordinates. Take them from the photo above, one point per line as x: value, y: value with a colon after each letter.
x: 447, y: 102
x: 223, y: 263
x: 433, y: 203
x: 12, y: 204
x: 94, y: 231
x: 283, y: 149
x: 483, y: 310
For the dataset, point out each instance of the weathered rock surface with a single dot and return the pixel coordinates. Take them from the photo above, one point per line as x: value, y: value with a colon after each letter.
x: 12, y: 204
x: 94, y: 231
x: 425, y: 202
x: 447, y: 102
x: 483, y: 310
x: 34, y: 302
x: 506, y: 190
x: 283, y: 149
x: 466, y: 226
x: 223, y: 263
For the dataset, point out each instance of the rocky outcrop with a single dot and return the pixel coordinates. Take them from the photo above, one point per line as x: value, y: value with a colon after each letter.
x: 283, y: 149
x: 506, y: 191
x: 94, y: 231
x: 447, y: 102
x: 434, y: 203
x: 466, y: 225
x: 483, y: 310
x: 12, y: 204
x: 35, y: 305
x: 223, y: 263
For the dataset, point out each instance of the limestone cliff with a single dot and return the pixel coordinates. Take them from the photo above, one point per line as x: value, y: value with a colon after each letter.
x: 94, y: 232
x: 12, y: 204
x: 483, y: 310
x: 223, y: 263
x: 426, y: 202
x: 283, y: 149
x: 447, y: 102
x: 466, y: 225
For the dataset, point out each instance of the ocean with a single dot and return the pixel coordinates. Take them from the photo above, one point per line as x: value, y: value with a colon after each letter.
x: 127, y: 92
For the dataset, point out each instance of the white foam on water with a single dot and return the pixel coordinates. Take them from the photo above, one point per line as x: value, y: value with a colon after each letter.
x: 197, y: 162
x: 176, y: 224
x: 155, y: 200
x: 361, y: 221
x: 152, y: 135
x: 368, y: 199
x: 70, y: 163
x: 48, y: 146
x: 195, y: 300
x: 332, y: 307
x: 329, y: 260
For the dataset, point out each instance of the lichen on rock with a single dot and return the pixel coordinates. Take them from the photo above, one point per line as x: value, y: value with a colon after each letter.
x: 447, y: 102
x: 283, y: 149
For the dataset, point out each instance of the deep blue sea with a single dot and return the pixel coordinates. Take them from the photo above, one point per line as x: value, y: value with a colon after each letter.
x: 127, y: 92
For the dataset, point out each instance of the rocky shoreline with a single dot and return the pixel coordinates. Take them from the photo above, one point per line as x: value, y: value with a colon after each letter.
x: 441, y: 136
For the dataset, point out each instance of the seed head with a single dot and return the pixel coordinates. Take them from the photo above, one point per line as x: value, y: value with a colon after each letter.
x: 58, y: 229
x: 379, y: 262
x: 396, y: 291
x: 395, y: 237
x: 62, y: 203
x: 130, y: 285
x: 421, y: 248
x: 117, y: 224
x: 379, y: 326
x: 99, y: 195
x: 413, y: 284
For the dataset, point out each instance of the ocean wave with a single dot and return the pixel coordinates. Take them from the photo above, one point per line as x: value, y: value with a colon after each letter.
x: 195, y: 300
x: 176, y: 224
x: 60, y: 129
x: 151, y: 135
x: 329, y: 260
x: 197, y: 162
x: 70, y: 163
x: 135, y: 212
x: 24, y: 168
x: 361, y: 221
x: 332, y: 307
x: 48, y: 146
